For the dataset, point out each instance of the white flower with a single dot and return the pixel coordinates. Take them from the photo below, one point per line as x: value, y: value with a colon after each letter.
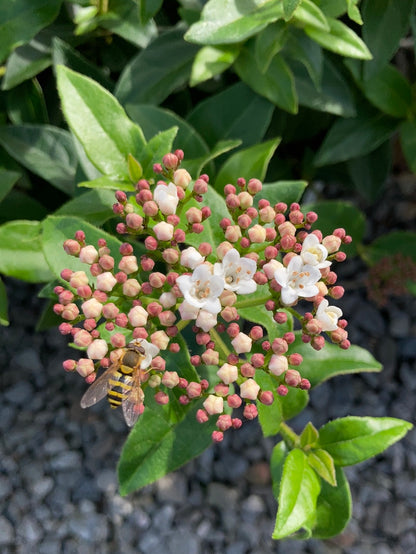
x: 237, y: 272
x: 202, y: 288
x: 206, y: 320
x: 166, y: 197
x: 163, y: 231
x: 314, y: 253
x: 328, y: 315
x: 297, y: 279
x: 190, y: 257
x: 188, y: 311
x: 150, y: 351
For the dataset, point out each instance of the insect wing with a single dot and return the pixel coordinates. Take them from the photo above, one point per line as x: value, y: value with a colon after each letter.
x: 133, y: 404
x: 99, y: 388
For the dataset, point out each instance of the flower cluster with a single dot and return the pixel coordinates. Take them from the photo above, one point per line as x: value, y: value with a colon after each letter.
x: 269, y: 260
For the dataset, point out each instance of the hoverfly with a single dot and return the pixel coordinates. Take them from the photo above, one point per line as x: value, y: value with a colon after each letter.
x: 121, y: 382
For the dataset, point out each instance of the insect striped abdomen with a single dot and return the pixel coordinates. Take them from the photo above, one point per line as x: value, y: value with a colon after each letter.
x: 119, y: 386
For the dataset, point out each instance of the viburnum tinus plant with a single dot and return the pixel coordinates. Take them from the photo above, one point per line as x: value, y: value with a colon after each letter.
x: 207, y: 312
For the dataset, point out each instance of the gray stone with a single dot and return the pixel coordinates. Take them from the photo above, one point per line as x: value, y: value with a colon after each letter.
x: 163, y: 518
x: 107, y: 481
x: 89, y: 527
x: 399, y: 325
x: 49, y: 546
x: 219, y: 495
x: 66, y: 460
x: 20, y: 393
x: 151, y: 543
x: 6, y: 531
x: 183, y: 541
x: 172, y: 488
x: 55, y: 445
x: 252, y: 507
x: 5, y: 487
x: 236, y: 548
x: 30, y: 530
x: 28, y: 359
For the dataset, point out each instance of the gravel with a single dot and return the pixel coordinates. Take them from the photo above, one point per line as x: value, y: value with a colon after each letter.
x: 58, y: 483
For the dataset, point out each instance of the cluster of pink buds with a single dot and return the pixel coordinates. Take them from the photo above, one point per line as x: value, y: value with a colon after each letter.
x: 267, y: 249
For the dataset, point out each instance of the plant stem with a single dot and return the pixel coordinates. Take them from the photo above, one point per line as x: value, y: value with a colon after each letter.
x: 219, y: 343
x: 258, y: 301
x: 289, y: 436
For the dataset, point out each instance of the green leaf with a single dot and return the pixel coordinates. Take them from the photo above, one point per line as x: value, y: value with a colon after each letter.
x: 308, y: 14
x: 20, y: 20
x: 334, y: 94
x: 323, y: 464
x: 299, y: 490
x: 244, y: 115
x: 370, y: 172
x: 154, y: 73
x: 389, y: 91
x: 333, y: 8
x: 4, y: 318
x: 269, y: 42
x: 270, y: 417
x: 95, y: 206
x: 64, y: 54
x: 211, y: 61
x: 318, y: 366
x: 283, y: 191
x: 46, y: 150
x: 351, y: 440
x: 155, y: 149
x: 7, y: 181
x: 27, y: 61
x: 99, y: 123
x: 338, y: 213
x: 289, y: 6
x: 21, y: 253
x: 333, y: 507
x: 293, y: 403
x: 309, y: 435
x: 384, y: 26
x: 277, y: 85
x: 408, y: 142
x: 148, y: 9
x: 195, y: 166
x: 389, y: 244
x: 57, y: 229
x: 277, y: 460
x: 354, y: 12
x: 135, y: 169
x: 153, y: 119
x: 229, y: 21
x: 304, y: 50
x: 155, y: 447
x: 340, y: 39
x: 351, y: 138
x: 21, y: 205
x: 26, y: 104
x: 248, y: 163
x: 103, y: 183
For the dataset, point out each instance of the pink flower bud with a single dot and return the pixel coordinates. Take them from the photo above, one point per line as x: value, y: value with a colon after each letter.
x: 206, y: 320
x: 217, y: 436
x: 304, y: 384
x: 254, y: 186
x: 170, y: 379
x: 267, y: 214
x: 118, y: 340
x: 295, y: 359
x: 256, y: 332
x: 69, y: 312
x: 157, y: 280
x: 210, y: 357
x: 106, y: 281
x: 167, y: 318
x: 311, y: 217
x: 78, y: 279
x: 85, y: 367
x: 193, y: 215
x: 249, y: 389
x: 66, y: 274
x: 233, y: 233
x: 228, y: 298
x: 242, y: 343
x: 69, y: 365
x: 214, y: 404
x: 200, y: 186
x: 224, y: 422
x: 270, y: 268
x: 88, y: 254
x: 194, y: 390
x: 318, y: 342
x: 331, y: 243
x: 280, y: 317
x: 266, y: 397
x: 314, y: 327
x: 257, y: 234
x: 279, y: 346
x: 170, y: 255
x: 163, y: 231
x: 72, y: 247
x: 82, y: 338
x: 128, y: 264
x: 228, y: 373
x: 161, y: 398
x: 134, y: 221
x: 296, y: 217
x: 257, y: 360
x: 110, y: 310
x: 247, y: 370
x: 250, y: 411
x: 92, y: 308
x: 179, y: 235
x: 182, y: 178
x: 201, y: 416
x: 137, y: 316
x: 282, y: 390
x: 287, y: 242
x: 246, y: 200
x: 131, y: 288
x: 160, y: 339
x: 337, y: 292
x: 287, y: 228
x: 292, y: 377
x: 278, y: 364
x: 97, y: 349
x: 170, y: 161
x: 65, y: 328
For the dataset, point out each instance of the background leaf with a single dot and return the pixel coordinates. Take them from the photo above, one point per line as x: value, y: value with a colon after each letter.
x: 7, y: 181
x: 26, y: 104
x: 283, y: 191
x: 389, y: 91
x: 340, y: 39
x: 408, y: 142
x: 4, y: 318
x: 389, y: 244
x: 211, y: 61
x: 95, y: 206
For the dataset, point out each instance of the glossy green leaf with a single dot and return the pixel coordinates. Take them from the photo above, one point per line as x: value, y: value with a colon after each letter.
x: 350, y: 138
x: 64, y: 54
x: 277, y: 84
x: 244, y: 115
x: 293, y: 403
x: 333, y: 507
x: 333, y: 8
x: 334, y: 94
x: 7, y: 181
x: 95, y: 206
x: 277, y: 460
x: 123, y: 19
x: 340, y: 39
x: 153, y: 119
x: 370, y: 172
x: 304, y: 50
x: 309, y: 14
x: 211, y: 61
x: 155, y: 149
x: 20, y: 20
x: 229, y: 21
x: 4, y: 317
x: 289, y: 6
x: 384, y: 26
x: 323, y: 464
x: 389, y: 91
x: 154, y: 73
x: 21, y: 253
x: 26, y: 104
x: 351, y: 440
x: 248, y: 163
x: 387, y: 245
x: 27, y: 61
x: 57, y: 229
x: 353, y: 11
x: 299, y: 490
x: 45, y: 150
x: 318, y: 366
x: 309, y: 435
x: 283, y: 191
x: 408, y: 142
x: 269, y: 42
x: 251, y: 307
x: 338, y: 213
x: 155, y: 447
x: 148, y: 9
x: 196, y: 166
x: 270, y: 417
x: 21, y: 205
x: 99, y: 122
x: 135, y: 169
x: 104, y: 183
